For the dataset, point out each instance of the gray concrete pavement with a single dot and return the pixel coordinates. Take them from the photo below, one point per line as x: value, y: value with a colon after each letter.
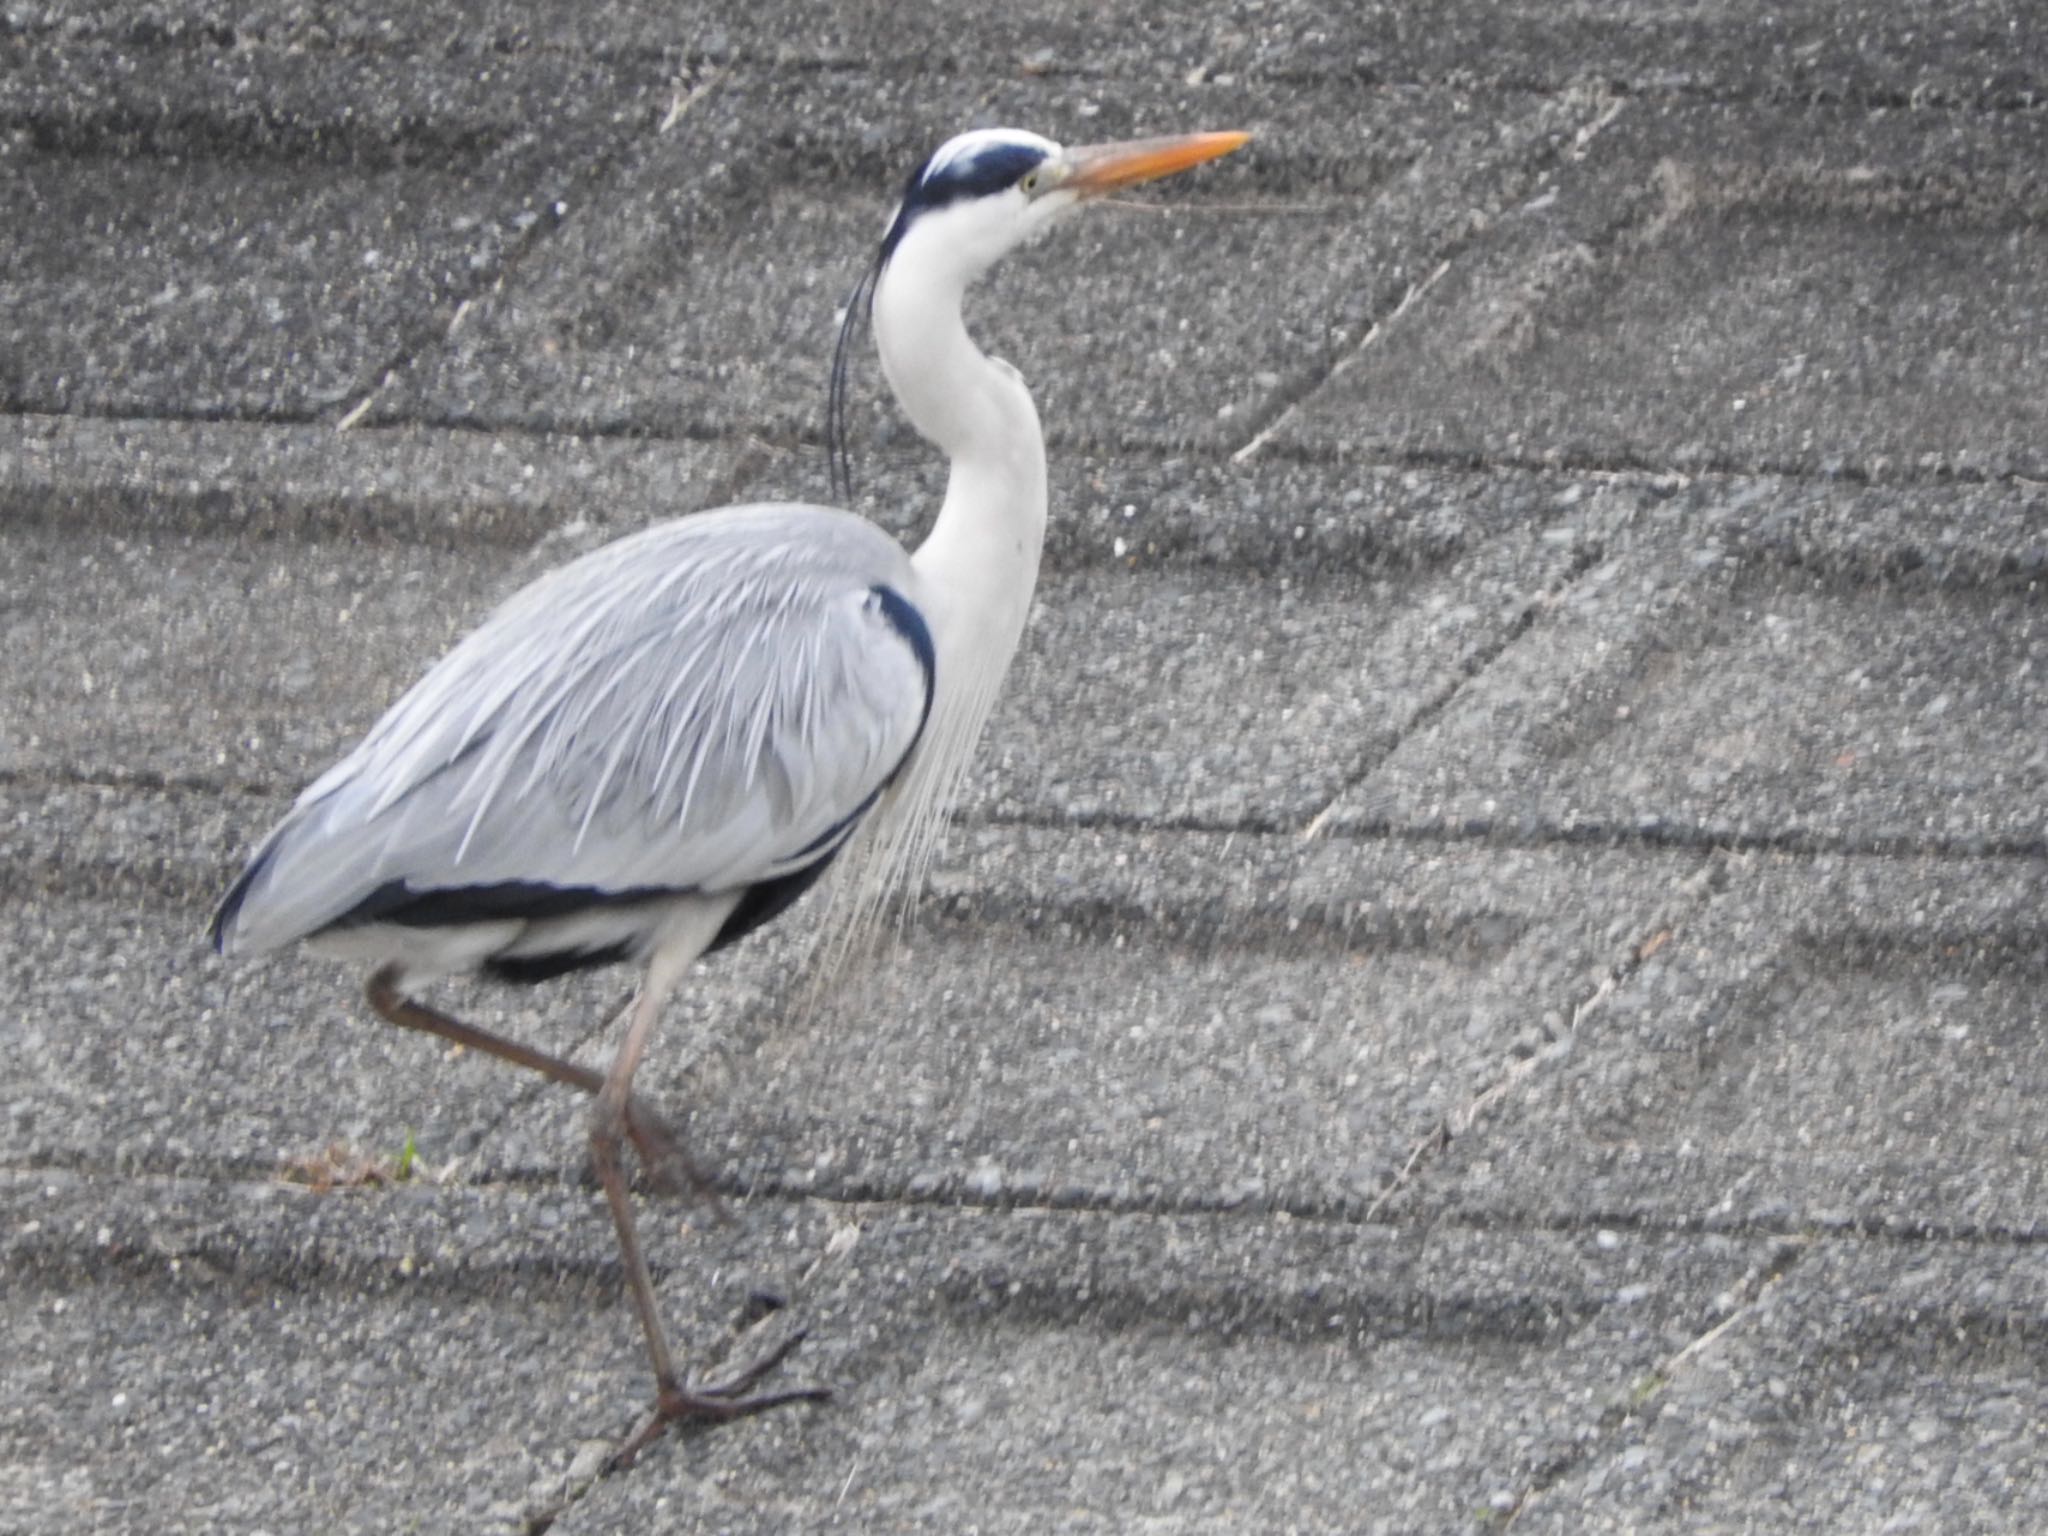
x: 1491, y: 969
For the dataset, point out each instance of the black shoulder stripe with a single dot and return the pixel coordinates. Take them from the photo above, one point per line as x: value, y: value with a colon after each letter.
x: 904, y: 618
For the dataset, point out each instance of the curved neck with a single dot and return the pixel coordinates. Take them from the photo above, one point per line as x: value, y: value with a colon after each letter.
x: 964, y: 402
x: 980, y: 561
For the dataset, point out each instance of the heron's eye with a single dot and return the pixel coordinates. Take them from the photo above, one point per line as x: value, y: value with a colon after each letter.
x: 1030, y: 182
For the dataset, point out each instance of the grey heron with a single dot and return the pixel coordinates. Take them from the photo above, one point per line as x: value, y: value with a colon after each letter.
x: 650, y: 751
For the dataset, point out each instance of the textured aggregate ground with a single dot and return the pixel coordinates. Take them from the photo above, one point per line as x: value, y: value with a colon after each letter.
x: 1492, y: 969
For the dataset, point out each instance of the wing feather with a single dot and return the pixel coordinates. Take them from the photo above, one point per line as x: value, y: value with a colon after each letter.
x: 701, y: 706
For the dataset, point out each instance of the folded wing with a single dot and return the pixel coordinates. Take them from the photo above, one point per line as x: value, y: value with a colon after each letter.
x: 707, y: 706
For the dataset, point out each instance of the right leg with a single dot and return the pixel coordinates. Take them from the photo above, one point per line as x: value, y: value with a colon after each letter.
x: 674, y: 1401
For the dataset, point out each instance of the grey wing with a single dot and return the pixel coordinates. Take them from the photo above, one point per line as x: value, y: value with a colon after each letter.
x: 703, y: 706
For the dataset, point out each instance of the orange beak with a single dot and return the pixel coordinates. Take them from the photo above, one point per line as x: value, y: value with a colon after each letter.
x: 1094, y: 169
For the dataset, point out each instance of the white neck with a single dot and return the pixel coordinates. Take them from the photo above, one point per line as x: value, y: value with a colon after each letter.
x: 978, y: 566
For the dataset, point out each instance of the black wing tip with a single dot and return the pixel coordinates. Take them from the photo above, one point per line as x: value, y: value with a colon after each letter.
x: 231, y: 904
x: 455, y: 906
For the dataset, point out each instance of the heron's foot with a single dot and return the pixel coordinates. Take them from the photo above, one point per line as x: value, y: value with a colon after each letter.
x: 718, y: 1402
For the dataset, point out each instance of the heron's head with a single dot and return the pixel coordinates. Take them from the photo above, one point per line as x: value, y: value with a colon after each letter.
x: 979, y: 197
x: 983, y: 194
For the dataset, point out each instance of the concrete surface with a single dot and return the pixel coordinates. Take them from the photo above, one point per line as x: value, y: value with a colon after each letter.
x: 1491, y: 969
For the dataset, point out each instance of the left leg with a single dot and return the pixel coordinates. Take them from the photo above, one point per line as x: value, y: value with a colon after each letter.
x: 660, y: 1148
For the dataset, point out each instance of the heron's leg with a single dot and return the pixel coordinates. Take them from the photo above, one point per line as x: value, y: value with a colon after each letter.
x: 714, y: 1402
x: 660, y: 1148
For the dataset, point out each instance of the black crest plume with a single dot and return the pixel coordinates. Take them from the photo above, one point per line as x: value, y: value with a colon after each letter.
x: 860, y: 306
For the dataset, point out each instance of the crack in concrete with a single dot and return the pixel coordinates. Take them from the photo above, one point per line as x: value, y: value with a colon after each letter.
x: 1470, y: 669
x: 1640, y: 1400
x: 1616, y: 465
x: 603, y: 169
x: 1282, y: 405
x: 1695, y: 891
x: 1285, y: 401
x: 765, y: 1192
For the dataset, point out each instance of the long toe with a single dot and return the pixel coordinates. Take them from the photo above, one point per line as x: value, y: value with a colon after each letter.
x: 732, y: 1396
x: 731, y: 1390
x: 716, y: 1402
